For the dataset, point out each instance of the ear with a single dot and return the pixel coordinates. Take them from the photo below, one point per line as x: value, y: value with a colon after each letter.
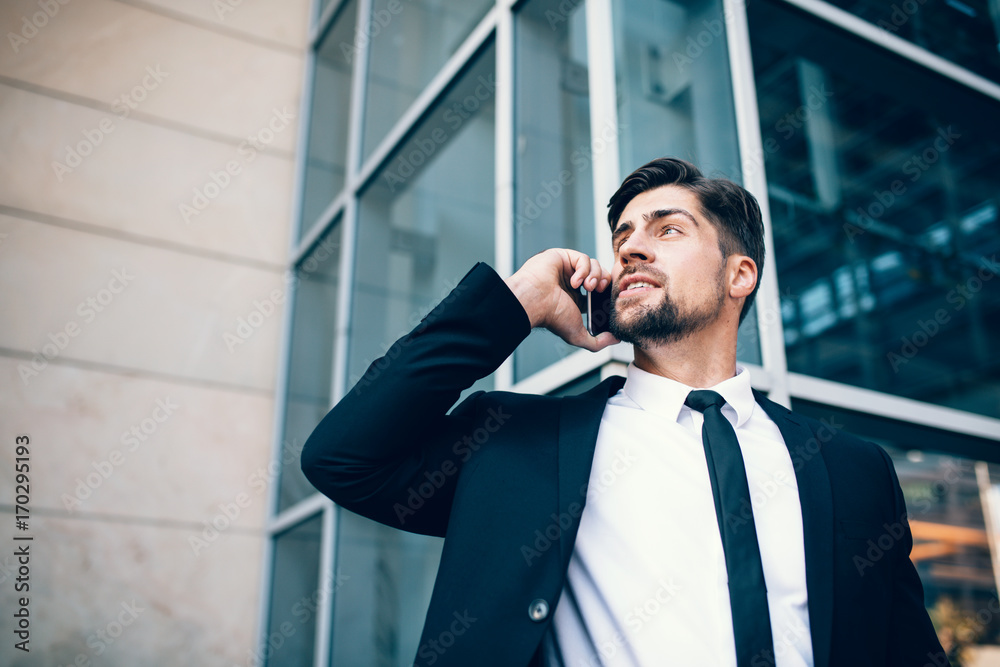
x: 742, y: 276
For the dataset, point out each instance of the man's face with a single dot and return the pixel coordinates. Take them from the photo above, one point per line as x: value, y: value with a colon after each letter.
x: 668, y: 279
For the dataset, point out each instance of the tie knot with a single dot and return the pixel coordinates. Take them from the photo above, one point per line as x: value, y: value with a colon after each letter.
x: 702, y: 399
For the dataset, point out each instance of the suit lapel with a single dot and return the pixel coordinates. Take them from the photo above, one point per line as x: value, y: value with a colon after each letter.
x: 579, y: 422
x: 816, y: 500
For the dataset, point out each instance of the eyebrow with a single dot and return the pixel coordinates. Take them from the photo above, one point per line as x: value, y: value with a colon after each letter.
x: 653, y: 217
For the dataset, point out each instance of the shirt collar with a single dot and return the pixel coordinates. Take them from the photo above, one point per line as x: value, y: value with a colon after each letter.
x: 664, y: 396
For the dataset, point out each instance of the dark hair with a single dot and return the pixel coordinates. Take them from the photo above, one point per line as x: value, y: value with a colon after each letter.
x: 732, y: 210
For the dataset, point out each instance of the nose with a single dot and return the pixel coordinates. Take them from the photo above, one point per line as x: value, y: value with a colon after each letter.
x: 635, y: 249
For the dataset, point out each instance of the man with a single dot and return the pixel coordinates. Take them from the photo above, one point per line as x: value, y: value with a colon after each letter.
x: 672, y: 517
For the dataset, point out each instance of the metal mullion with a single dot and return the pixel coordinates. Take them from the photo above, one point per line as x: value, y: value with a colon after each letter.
x: 869, y: 401
x: 623, y: 352
x: 320, y: 227
x: 347, y: 204
x: 603, y: 99
x: 322, y: 24
x: 445, y: 76
x: 580, y: 363
x: 345, y: 293
x: 302, y: 150
x: 285, y: 338
x: 770, y: 330
x: 359, y: 78
x: 327, y: 567
x: 297, y: 513
x: 504, y: 115
x: 563, y: 371
x: 613, y: 368
x: 349, y: 221
x: 908, y: 50
x: 277, y: 445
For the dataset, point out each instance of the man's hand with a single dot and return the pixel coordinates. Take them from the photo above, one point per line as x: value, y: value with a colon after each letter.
x: 548, y: 287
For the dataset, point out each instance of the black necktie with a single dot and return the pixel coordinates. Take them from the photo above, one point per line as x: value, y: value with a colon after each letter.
x: 747, y: 591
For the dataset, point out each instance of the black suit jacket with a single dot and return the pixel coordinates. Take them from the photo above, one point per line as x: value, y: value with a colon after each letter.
x: 504, y: 478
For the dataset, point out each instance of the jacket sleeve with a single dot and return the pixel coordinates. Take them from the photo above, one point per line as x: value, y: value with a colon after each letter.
x: 388, y: 450
x: 912, y: 638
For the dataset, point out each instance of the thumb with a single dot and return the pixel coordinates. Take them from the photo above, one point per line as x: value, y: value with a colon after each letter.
x: 580, y: 337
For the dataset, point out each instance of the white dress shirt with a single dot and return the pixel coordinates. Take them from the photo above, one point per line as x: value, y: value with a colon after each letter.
x: 647, y: 581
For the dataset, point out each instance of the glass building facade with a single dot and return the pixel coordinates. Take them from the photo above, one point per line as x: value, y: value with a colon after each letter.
x: 440, y: 133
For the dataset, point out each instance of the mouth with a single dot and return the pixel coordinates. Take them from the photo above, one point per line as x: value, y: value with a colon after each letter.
x: 635, y: 285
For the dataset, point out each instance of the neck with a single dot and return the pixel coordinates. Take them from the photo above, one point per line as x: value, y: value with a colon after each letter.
x: 702, y: 359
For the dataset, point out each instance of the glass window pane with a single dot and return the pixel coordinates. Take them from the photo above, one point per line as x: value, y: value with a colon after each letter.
x: 388, y: 578
x: 946, y: 488
x: 951, y: 549
x: 291, y: 635
x: 423, y: 222
x: 310, y: 364
x: 425, y: 219
x: 326, y: 157
x: 674, y: 91
x: 963, y: 31
x: 579, y: 385
x: 410, y: 42
x: 882, y: 182
x: 675, y: 97
x: 554, y: 196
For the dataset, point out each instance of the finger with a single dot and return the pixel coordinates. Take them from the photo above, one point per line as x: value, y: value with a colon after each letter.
x: 594, y: 276
x: 580, y: 337
x: 583, y: 339
x: 584, y: 274
x: 605, y: 339
x: 605, y: 280
x: 601, y: 341
x: 581, y: 268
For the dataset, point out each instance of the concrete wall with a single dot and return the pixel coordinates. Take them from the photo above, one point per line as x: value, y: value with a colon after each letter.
x: 118, y: 287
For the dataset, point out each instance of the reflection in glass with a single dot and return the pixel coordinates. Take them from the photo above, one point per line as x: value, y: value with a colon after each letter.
x: 291, y: 635
x: 963, y: 31
x: 410, y: 42
x: 675, y: 97
x: 951, y: 547
x: 579, y: 385
x: 311, y: 358
x: 674, y: 91
x: 379, y: 611
x: 948, y: 494
x: 883, y: 190
x: 554, y: 205
x: 425, y: 219
x: 326, y: 157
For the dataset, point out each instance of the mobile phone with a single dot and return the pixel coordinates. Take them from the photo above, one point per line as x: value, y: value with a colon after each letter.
x: 598, y: 311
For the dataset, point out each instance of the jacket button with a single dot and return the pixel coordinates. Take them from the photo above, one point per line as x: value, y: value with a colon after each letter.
x: 538, y: 610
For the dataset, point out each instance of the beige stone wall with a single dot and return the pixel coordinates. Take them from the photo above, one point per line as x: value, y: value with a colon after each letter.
x: 118, y: 285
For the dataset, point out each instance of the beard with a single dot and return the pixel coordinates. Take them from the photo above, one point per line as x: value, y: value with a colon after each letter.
x: 663, y: 322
